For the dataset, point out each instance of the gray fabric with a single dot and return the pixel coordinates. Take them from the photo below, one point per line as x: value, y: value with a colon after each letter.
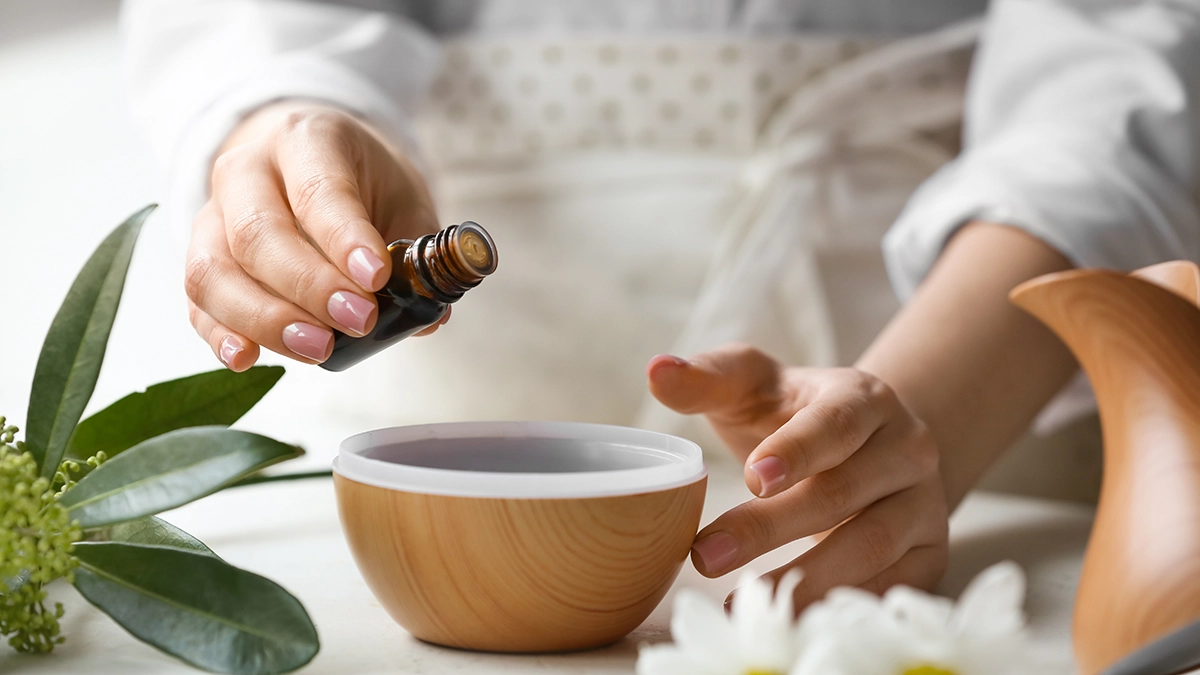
x: 898, y: 17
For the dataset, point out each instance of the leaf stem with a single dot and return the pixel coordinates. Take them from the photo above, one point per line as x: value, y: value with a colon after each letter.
x: 254, y: 480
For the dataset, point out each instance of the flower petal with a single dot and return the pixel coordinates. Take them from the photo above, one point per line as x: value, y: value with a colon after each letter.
x: 668, y: 660
x: 822, y: 657
x: 753, y: 596
x: 922, y: 612
x: 702, y: 631
x: 764, y: 625
x: 991, y: 603
x: 785, y: 591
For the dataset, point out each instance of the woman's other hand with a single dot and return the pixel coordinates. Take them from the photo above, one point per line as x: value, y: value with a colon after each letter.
x: 292, y: 242
x: 822, y: 449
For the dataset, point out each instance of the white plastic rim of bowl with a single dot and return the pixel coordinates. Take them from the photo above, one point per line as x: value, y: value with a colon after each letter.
x: 629, y: 461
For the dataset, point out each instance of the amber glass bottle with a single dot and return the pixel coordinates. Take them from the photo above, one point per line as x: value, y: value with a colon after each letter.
x: 428, y: 274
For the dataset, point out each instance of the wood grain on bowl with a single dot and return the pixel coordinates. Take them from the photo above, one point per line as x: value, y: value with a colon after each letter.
x: 519, y: 575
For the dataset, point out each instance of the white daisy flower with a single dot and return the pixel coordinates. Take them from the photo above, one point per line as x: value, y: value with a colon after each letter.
x: 851, y: 632
x: 758, y: 637
x: 908, y: 632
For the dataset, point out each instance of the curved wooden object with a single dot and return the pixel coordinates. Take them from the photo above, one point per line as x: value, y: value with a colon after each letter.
x: 1140, y: 345
x: 519, y: 575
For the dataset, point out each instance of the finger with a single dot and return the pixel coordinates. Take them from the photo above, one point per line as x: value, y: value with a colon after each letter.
x: 922, y: 568
x: 237, y: 352
x: 434, y: 326
x: 870, y: 543
x: 816, y: 504
x: 317, y: 159
x: 731, y: 384
x: 220, y: 288
x: 820, y: 435
x: 262, y: 236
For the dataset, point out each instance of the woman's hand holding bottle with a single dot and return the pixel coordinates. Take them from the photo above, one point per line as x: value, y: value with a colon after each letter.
x: 292, y: 242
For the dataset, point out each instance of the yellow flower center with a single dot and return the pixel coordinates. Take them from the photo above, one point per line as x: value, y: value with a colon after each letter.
x: 763, y: 672
x: 928, y: 670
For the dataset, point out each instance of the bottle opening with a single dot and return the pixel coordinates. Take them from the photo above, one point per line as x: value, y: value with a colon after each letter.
x: 475, y: 248
x: 454, y: 260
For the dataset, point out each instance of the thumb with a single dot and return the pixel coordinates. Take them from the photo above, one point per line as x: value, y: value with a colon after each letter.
x: 729, y: 381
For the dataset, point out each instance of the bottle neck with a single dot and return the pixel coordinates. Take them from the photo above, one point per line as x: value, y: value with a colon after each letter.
x: 451, y: 262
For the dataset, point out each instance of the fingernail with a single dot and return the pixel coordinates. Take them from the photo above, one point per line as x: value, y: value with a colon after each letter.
x: 717, y: 551
x: 350, y: 311
x: 770, y: 472
x: 363, y: 264
x: 664, y: 360
x: 230, y: 348
x: 307, y: 340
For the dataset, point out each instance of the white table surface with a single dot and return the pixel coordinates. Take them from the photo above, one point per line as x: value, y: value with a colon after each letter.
x: 289, y: 532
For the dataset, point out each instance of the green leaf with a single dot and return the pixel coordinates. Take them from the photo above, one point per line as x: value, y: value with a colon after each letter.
x: 154, y: 532
x: 71, y: 355
x: 216, y: 397
x: 198, y: 608
x: 169, y: 471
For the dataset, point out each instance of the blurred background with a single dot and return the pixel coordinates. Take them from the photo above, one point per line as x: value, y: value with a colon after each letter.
x: 72, y: 167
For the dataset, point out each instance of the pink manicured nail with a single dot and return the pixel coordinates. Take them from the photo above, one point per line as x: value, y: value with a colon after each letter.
x: 307, y: 340
x: 230, y: 348
x: 351, y: 311
x: 770, y: 472
x: 363, y: 264
x: 718, y: 551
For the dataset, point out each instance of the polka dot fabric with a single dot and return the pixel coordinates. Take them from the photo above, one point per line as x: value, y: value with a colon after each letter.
x: 506, y: 99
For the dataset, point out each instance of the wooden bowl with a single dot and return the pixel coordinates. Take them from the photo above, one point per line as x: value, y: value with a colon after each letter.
x: 519, y: 536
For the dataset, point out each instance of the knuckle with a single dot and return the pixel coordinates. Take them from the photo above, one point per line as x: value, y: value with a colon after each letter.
x: 338, y: 230
x: 298, y: 122
x: 794, y: 448
x: 762, y: 527
x: 199, y: 273
x: 323, y: 124
x: 742, y: 353
x: 838, y: 421
x: 264, y: 322
x: 229, y: 164
x: 247, y: 231
x: 745, y: 350
x: 194, y: 315
x: 306, y: 281
x: 878, y: 544
x: 834, y: 494
x: 866, y: 387
x: 310, y: 191
x: 223, y: 164
x: 923, y: 450
x: 876, y: 389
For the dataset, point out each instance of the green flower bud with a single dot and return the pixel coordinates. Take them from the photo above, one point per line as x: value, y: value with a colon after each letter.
x: 36, y: 542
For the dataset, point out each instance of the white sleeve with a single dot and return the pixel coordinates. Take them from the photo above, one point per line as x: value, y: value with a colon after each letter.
x: 1078, y: 129
x: 196, y: 67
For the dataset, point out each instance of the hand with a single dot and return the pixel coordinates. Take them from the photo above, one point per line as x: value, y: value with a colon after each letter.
x: 293, y: 241
x: 822, y: 449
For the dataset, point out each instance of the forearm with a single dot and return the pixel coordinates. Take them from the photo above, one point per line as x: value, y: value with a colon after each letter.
x: 965, y: 360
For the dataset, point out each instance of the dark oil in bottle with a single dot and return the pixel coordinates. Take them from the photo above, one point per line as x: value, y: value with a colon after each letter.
x: 428, y: 275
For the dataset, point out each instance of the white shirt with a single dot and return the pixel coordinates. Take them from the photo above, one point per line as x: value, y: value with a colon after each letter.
x: 1078, y: 127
